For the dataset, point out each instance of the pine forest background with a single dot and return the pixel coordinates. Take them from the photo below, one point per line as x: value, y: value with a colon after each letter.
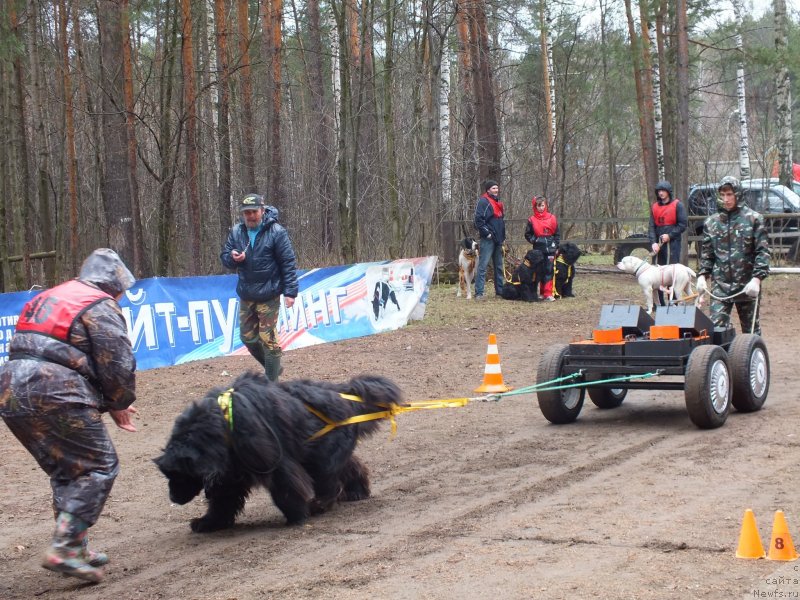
x: 139, y: 124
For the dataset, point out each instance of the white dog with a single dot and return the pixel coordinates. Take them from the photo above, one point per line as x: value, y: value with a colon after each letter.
x: 675, y: 280
x: 467, y: 262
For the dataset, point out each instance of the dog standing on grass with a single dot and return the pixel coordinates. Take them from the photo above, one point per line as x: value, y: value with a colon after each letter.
x: 675, y: 280
x: 526, y: 277
x: 467, y: 263
x: 564, y: 269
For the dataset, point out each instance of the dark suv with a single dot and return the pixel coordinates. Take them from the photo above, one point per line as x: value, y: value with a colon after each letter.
x: 702, y: 201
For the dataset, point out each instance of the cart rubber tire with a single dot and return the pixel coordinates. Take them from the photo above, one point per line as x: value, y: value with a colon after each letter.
x: 749, y: 362
x: 708, y: 387
x: 604, y: 397
x: 557, y: 406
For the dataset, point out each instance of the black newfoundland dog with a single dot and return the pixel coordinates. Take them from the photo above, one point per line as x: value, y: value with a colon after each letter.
x: 566, y: 257
x: 526, y: 278
x: 259, y: 433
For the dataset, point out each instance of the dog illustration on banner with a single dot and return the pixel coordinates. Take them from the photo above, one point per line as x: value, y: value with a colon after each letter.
x: 276, y: 436
x: 467, y: 264
x: 675, y: 280
x: 390, y: 288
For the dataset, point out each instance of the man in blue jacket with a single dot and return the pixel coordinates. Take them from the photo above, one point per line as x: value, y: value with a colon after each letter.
x: 491, y: 227
x: 260, y: 251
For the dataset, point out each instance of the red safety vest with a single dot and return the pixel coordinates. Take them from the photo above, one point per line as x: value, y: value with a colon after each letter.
x: 665, y: 214
x: 53, y: 312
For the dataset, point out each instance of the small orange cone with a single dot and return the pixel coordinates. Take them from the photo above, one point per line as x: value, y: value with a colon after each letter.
x: 492, y: 376
x: 750, y: 545
x: 781, y: 546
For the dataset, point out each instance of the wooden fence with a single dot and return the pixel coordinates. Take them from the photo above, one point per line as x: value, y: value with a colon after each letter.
x: 781, y: 226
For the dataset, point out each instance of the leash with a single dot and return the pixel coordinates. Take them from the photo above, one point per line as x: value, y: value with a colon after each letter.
x: 731, y: 297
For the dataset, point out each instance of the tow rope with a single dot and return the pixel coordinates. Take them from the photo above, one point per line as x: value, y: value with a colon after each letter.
x: 392, y: 410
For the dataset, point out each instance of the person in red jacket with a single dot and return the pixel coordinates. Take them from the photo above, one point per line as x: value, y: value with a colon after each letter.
x: 668, y: 221
x: 70, y: 360
x: 541, y: 231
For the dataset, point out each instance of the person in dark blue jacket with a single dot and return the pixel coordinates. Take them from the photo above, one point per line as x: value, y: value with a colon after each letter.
x: 260, y: 251
x: 492, y: 230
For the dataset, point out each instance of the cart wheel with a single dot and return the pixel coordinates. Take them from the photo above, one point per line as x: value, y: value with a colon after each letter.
x: 557, y: 406
x: 750, y: 372
x: 708, y: 387
x: 607, y: 397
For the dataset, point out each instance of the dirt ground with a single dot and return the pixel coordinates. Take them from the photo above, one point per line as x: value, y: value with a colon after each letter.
x: 485, y: 501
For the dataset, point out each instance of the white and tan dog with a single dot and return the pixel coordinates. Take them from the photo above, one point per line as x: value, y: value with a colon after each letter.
x: 467, y: 264
x: 675, y: 280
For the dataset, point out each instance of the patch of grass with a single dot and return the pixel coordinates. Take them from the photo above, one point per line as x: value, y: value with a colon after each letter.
x: 445, y: 310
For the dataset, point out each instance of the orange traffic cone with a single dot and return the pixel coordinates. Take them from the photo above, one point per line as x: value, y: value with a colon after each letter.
x: 781, y: 546
x: 749, y: 541
x: 492, y: 377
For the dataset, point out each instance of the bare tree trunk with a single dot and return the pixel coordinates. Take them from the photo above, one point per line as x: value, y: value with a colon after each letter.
x: 611, y: 158
x: 246, y: 80
x: 22, y: 224
x: 681, y: 175
x: 486, y: 119
x: 321, y: 126
x: 72, y: 159
x: 115, y: 186
x: 466, y: 72
x: 223, y: 127
x: 167, y: 244
x: 192, y: 192
x: 643, y: 100
x: 41, y: 147
x: 141, y: 263
x: 347, y: 143
x: 273, y: 43
x: 395, y: 225
x: 783, y: 95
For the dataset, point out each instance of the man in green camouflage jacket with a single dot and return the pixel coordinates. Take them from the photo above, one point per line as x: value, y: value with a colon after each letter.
x: 69, y: 361
x: 735, y: 254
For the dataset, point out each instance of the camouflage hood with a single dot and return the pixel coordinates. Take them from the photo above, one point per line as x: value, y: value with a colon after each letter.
x: 105, y: 269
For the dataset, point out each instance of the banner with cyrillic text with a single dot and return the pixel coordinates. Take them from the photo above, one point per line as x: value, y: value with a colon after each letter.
x: 176, y: 320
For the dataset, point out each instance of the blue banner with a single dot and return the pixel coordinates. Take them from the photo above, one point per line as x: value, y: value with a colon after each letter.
x: 176, y: 320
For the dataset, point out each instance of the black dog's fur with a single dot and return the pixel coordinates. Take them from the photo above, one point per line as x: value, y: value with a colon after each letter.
x: 566, y: 257
x: 269, y: 446
x: 526, y: 278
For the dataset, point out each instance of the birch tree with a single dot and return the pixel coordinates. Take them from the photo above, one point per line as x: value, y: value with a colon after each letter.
x: 783, y: 95
x: 658, y: 123
x: 744, y: 145
x: 444, y: 123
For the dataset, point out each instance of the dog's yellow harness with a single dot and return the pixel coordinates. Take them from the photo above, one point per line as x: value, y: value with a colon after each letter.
x: 225, y: 402
x: 389, y: 412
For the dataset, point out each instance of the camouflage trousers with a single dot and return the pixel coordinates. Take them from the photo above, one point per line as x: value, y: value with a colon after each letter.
x: 257, y: 323
x: 747, y: 310
x: 75, y: 450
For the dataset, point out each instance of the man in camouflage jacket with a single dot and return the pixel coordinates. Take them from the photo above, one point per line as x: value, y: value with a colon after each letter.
x: 69, y: 361
x: 735, y: 254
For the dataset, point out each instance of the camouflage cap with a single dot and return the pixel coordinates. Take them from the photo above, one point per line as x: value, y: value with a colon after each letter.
x: 105, y: 269
x: 251, y: 202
